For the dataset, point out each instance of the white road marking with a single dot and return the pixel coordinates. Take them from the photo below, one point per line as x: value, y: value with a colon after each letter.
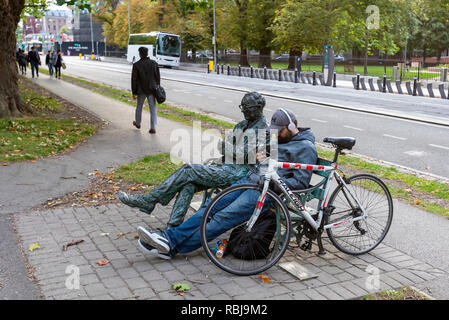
x: 228, y: 101
x: 394, y: 137
x: 318, y: 120
x: 416, y: 153
x: 269, y: 110
x: 198, y: 94
x: 354, y: 128
x: 440, y: 147
x: 213, y: 98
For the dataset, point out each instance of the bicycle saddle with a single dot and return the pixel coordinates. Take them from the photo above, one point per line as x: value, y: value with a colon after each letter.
x: 342, y: 143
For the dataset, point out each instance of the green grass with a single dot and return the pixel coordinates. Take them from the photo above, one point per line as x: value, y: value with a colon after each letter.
x: 37, y: 102
x: 404, y: 293
x: 373, y: 71
x: 39, y: 135
x: 151, y: 170
x: 28, y: 139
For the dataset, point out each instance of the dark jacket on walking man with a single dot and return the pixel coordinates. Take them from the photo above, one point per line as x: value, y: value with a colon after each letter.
x: 58, y: 64
x: 145, y: 79
x: 35, y: 61
x: 22, y: 59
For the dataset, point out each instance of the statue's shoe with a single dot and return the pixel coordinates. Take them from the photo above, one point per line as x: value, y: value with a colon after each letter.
x: 136, y: 201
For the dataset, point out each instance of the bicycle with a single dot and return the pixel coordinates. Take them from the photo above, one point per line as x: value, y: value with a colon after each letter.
x: 356, y: 216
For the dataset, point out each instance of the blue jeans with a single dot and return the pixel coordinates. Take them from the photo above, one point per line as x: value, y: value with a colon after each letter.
x: 231, y: 211
x: 50, y: 69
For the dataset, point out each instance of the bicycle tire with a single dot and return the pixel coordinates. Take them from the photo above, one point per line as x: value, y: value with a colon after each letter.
x: 374, y: 192
x: 237, y: 266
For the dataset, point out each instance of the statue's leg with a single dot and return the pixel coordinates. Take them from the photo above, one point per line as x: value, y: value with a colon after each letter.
x: 181, y: 205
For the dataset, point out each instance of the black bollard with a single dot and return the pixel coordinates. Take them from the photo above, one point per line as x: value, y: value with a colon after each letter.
x: 415, y: 84
x: 384, y: 89
x: 218, y: 69
x: 240, y: 71
x: 222, y: 68
x: 314, y: 77
x: 229, y: 70
x: 280, y: 74
x: 335, y: 79
x: 296, y: 76
x: 252, y: 72
x: 358, y: 81
x: 265, y: 73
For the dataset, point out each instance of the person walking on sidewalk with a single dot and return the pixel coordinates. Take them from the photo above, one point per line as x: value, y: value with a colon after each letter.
x: 58, y: 64
x: 50, y: 61
x: 144, y: 80
x: 35, y: 61
x: 23, y: 61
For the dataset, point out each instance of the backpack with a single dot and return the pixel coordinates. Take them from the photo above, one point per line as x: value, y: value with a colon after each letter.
x: 255, y: 244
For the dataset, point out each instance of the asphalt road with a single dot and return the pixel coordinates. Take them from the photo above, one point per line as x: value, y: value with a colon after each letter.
x: 420, y: 146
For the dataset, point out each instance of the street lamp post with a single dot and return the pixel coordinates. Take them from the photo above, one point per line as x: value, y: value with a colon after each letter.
x: 92, y: 33
x: 214, y: 40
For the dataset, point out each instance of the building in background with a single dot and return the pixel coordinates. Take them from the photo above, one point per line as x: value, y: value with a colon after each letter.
x: 51, y: 23
x: 81, y: 23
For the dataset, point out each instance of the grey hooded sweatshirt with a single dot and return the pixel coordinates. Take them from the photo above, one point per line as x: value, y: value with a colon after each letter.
x: 300, y: 149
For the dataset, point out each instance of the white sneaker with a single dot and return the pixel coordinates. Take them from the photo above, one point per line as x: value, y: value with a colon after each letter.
x: 156, y: 239
x: 151, y: 250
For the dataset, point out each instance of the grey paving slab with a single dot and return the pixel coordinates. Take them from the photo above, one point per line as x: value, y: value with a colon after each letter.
x: 130, y: 274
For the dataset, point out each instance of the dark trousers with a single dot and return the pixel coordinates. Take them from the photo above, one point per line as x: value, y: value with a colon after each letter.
x: 34, y: 65
x: 23, y: 69
x: 58, y: 71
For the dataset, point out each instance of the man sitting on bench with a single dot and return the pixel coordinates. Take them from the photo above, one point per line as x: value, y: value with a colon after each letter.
x: 294, y: 145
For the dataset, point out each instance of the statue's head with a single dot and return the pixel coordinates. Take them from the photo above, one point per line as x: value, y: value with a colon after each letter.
x: 252, y: 106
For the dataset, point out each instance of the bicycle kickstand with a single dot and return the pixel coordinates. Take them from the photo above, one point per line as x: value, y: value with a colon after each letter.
x: 321, y: 250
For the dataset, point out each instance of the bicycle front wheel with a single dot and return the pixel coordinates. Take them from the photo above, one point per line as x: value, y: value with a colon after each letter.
x: 364, y: 235
x: 226, y: 217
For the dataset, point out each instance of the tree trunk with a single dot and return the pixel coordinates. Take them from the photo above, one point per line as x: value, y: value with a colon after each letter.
x: 424, y: 57
x: 294, y: 53
x: 10, y: 102
x: 265, y: 58
x: 243, y: 55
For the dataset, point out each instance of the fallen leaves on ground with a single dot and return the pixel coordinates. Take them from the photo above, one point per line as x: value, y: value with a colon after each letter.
x: 264, y: 278
x: 180, y: 288
x: 102, y: 262
x: 34, y: 247
x: 102, y: 190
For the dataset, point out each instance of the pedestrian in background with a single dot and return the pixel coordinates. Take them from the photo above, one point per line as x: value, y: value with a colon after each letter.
x: 35, y: 61
x: 145, y: 79
x: 22, y: 59
x: 58, y: 64
x: 50, y: 61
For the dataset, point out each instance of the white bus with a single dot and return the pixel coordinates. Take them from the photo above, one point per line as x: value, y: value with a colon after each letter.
x: 164, y: 48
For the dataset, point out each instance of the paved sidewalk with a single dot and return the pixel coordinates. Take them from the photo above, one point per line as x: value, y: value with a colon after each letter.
x: 109, y: 233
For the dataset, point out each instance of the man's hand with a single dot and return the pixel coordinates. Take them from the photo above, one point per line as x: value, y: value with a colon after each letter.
x: 134, y: 96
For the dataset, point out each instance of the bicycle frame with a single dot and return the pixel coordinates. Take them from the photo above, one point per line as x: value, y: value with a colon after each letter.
x: 271, y: 174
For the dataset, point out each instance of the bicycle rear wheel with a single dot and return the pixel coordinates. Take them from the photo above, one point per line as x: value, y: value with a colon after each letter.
x: 268, y: 244
x: 361, y: 236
